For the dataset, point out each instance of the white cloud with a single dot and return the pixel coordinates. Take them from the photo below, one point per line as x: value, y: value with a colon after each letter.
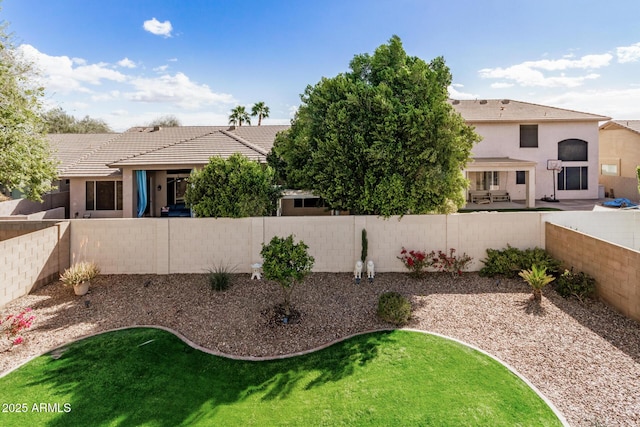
x: 161, y: 68
x: 173, y: 60
x: 616, y: 103
x: 158, y: 28
x: 531, y: 73
x: 501, y: 85
x: 64, y: 75
x: 456, y: 94
x: 127, y: 63
x: 628, y: 53
x: 177, y: 89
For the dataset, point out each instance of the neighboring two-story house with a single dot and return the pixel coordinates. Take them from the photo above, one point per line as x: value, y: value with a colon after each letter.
x: 521, y: 140
x: 620, y: 157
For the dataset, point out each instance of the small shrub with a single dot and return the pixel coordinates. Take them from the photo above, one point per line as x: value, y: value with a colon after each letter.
x: 510, y: 261
x: 220, y: 277
x: 415, y: 261
x: 286, y: 263
x: 79, y: 272
x: 537, y: 278
x: 451, y: 263
x: 12, y: 325
x: 394, y: 308
x: 580, y: 285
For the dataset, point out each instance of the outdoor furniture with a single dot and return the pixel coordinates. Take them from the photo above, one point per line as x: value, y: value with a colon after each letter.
x: 499, y: 196
x: 479, y: 197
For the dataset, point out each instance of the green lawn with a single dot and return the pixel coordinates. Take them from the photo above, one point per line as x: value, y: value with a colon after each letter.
x: 150, y: 377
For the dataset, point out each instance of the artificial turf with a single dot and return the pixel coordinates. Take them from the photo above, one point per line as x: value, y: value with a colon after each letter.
x: 150, y: 377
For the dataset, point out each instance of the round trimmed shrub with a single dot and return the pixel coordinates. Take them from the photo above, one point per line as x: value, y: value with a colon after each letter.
x: 394, y: 308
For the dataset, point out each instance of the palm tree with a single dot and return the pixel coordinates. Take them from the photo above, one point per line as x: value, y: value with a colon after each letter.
x: 537, y: 278
x: 261, y: 110
x: 238, y: 116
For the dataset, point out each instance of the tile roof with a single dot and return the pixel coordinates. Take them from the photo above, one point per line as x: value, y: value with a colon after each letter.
x: 505, y: 110
x: 632, y: 125
x: 172, y: 146
x: 70, y: 149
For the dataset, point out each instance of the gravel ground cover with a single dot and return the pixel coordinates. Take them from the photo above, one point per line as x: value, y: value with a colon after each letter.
x: 584, y: 357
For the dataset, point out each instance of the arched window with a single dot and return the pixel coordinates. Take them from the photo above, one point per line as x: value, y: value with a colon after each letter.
x: 573, y: 150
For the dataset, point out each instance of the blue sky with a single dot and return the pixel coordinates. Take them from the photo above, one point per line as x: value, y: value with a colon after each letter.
x: 131, y: 61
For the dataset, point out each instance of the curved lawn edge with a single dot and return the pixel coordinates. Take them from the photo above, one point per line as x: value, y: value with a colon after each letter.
x: 195, y: 346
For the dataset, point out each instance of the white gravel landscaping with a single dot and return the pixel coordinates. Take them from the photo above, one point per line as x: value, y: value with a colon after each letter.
x: 585, y: 358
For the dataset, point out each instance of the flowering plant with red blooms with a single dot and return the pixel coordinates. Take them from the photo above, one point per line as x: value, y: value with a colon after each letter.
x: 415, y: 261
x: 13, y: 324
x: 451, y: 263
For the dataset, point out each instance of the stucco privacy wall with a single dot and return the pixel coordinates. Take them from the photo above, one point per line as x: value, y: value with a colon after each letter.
x: 615, y: 268
x: 32, y: 259
x: 194, y: 245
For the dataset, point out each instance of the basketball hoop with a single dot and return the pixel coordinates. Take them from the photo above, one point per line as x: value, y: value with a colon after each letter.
x: 553, y: 165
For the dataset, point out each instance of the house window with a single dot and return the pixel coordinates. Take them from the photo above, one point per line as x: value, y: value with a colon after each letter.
x: 609, y: 170
x: 310, y: 202
x: 573, y: 178
x: 489, y: 180
x: 528, y: 136
x: 573, y: 150
x: 103, y: 195
x: 521, y: 177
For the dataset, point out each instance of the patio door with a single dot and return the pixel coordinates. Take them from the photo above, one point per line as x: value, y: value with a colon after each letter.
x: 488, y: 180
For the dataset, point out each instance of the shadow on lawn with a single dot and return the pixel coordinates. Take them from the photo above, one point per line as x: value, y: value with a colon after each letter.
x: 141, y: 376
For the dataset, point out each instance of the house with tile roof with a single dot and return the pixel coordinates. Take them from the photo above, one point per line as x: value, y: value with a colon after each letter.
x: 110, y: 174
x: 522, y: 141
x: 619, y: 158
x: 142, y: 171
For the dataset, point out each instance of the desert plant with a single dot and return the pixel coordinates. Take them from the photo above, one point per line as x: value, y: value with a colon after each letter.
x: 365, y: 246
x: 286, y: 263
x: 415, y: 261
x: 14, y: 324
x: 451, y: 263
x: 220, y: 277
x: 580, y: 285
x: 394, y: 308
x: 509, y: 261
x: 537, y: 278
x: 79, y: 272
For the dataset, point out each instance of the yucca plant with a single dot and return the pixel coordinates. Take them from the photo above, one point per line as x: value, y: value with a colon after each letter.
x: 537, y: 278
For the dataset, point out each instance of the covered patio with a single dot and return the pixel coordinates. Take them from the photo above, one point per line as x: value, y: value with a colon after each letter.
x: 495, y: 180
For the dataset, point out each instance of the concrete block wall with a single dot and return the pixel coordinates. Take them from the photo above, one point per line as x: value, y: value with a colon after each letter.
x: 32, y: 260
x: 615, y: 268
x: 121, y: 246
x: 619, y: 226
x: 193, y: 245
x: 14, y: 228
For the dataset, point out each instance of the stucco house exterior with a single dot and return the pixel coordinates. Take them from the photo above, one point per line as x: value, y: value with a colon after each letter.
x: 143, y: 171
x: 619, y: 158
x: 518, y: 140
x: 112, y: 173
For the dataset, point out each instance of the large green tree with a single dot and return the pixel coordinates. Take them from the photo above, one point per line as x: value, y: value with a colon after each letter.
x: 58, y: 121
x: 261, y: 110
x: 26, y: 163
x: 239, y: 115
x: 235, y: 187
x: 380, y: 139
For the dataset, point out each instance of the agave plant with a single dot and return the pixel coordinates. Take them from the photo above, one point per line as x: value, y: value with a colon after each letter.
x: 537, y: 278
